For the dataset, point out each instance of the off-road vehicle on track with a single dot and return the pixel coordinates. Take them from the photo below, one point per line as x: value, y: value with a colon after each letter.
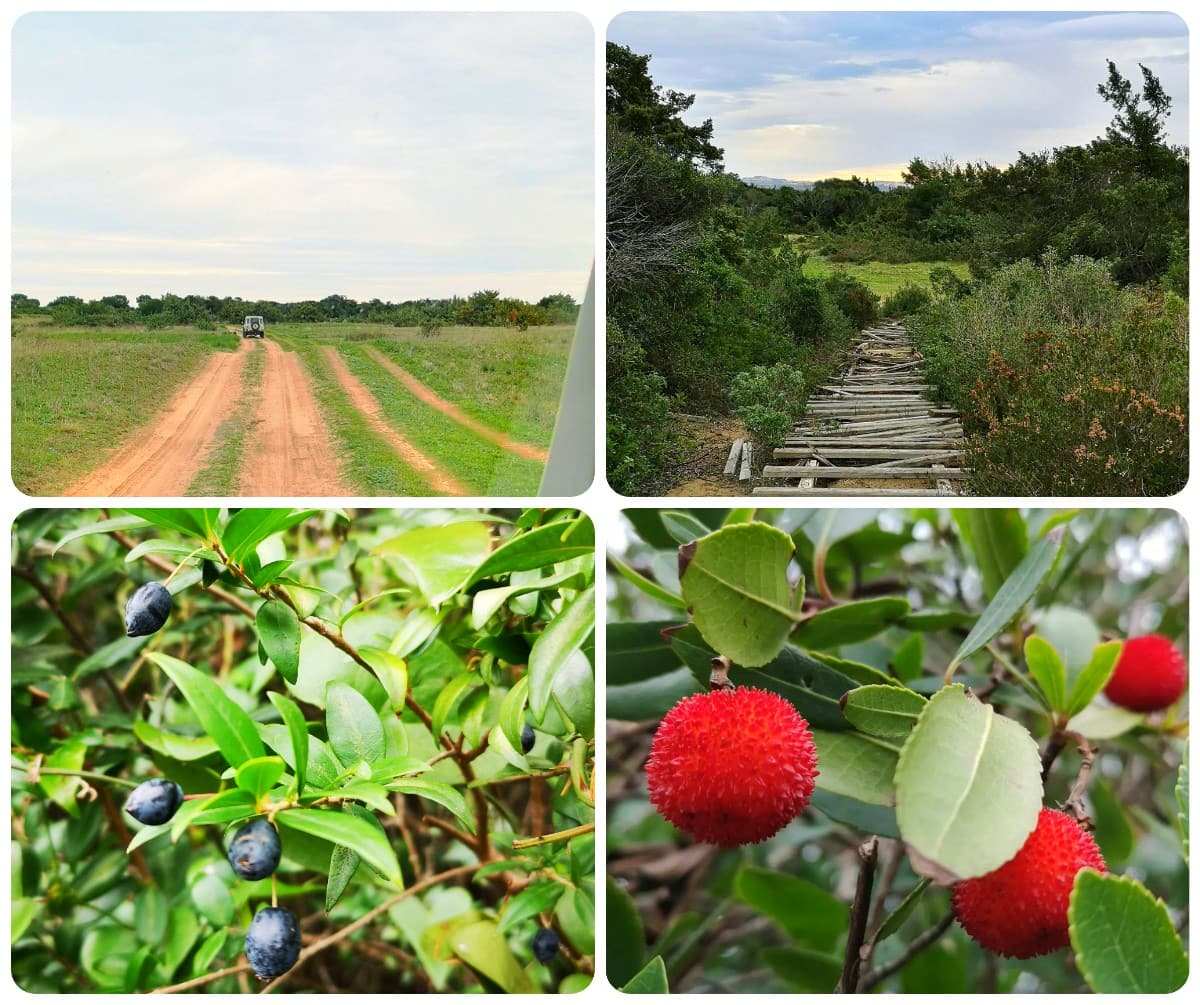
x: 253, y: 326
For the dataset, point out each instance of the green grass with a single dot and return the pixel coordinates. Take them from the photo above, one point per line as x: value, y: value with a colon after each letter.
x: 220, y: 475
x: 372, y: 465
x: 79, y: 392
x: 484, y: 467
x: 883, y: 278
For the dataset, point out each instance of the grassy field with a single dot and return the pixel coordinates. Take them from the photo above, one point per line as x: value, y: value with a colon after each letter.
x: 883, y: 278
x: 79, y: 392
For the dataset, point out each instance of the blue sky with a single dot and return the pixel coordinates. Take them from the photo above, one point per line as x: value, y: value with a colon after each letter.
x: 807, y: 96
x: 290, y: 156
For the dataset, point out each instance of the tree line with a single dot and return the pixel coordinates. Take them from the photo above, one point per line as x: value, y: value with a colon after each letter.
x: 484, y: 308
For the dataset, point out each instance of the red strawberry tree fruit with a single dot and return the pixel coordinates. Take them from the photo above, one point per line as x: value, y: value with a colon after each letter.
x: 921, y: 750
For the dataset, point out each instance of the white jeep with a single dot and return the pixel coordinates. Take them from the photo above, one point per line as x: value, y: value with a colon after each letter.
x: 253, y: 327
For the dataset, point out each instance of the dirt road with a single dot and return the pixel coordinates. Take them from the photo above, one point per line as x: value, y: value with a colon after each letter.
x: 162, y: 459
x: 289, y: 450
x: 430, y: 397
x: 441, y: 482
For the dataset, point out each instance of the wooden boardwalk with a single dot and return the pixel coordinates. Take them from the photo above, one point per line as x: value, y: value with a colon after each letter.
x: 874, y: 433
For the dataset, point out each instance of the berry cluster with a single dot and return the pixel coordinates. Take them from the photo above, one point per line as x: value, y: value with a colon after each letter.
x: 273, y: 939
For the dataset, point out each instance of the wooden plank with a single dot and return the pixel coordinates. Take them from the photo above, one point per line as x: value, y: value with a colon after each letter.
x: 734, y: 453
x: 806, y: 482
x: 798, y: 449
x: 792, y: 490
x: 866, y: 453
x: 744, y: 474
x: 867, y: 471
x: 944, y: 488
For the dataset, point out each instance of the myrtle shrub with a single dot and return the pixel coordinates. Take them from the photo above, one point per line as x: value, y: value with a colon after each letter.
x: 922, y: 751
x: 769, y: 400
x: 1068, y: 384
x: 368, y: 735
x: 853, y: 298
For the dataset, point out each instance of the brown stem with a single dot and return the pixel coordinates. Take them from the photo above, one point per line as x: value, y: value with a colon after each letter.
x: 868, y: 855
x: 1074, y: 803
x: 917, y: 946
x: 1055, y: 746
x: 444, y: 825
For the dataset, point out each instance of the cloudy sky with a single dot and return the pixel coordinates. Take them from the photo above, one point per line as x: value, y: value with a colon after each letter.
x: 807, y: 96
x: 291, y: 156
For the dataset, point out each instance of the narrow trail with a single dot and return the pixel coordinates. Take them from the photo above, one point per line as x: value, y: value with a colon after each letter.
x: 873, y: 432
x: 289, y: 450
x: 440, y: 481
x: 163, y: 458
x: 430, y: 397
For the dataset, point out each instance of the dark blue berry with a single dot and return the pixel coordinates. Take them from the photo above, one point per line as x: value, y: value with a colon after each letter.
x: 273, y: 942
x: 545, y: 945
x: 154, y: 802
x: 147, y: 610
x: 527, y: 739
x: 254, y: 851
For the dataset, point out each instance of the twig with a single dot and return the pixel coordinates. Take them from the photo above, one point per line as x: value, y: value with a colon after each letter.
x: 1074, y: 801
x: 868, y: 855
x: 449, y: 828
x: 917, y: 946
x: 556, y: 836
x: 1055, y: 746
x: 561, y: 769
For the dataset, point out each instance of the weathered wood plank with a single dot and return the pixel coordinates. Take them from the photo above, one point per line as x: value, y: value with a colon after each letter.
x: 744, y: 473
x: 794, y: 490
x: 866, y: 471
x: 735, y: 452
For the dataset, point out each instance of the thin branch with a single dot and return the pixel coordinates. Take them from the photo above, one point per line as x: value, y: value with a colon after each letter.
x: 1074, y: 802
x: 556, y: 836
x: 1054, y: 746
x: 561, y: 769
x: 868, y: 855
x: 444, y: 825
x: 917, y: 946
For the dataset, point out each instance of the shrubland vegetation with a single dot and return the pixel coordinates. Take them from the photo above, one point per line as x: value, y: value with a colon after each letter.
x: 482, y: 308
x: 703, y: 286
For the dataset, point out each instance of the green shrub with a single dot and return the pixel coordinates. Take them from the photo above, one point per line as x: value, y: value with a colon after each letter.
x: 907, y: 300
x: 853, y: 298
x: 1068, y: 384
x: 769, y: 399
x: 640, y: 441
x: 1176, y: 278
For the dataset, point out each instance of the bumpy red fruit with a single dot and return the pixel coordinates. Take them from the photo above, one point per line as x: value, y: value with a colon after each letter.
x: 1150, y: 674
x: 732, y: 767
x: 1020, y: 910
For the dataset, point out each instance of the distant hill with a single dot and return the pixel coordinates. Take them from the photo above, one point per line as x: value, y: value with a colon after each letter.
x: 760, y: 181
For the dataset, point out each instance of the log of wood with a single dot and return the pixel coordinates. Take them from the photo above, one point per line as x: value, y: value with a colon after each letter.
x: 734, y: 453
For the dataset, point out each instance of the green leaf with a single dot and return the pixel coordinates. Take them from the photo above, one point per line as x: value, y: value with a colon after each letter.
x: 858, y: 766
x: 485, y: 603
x: 343, y: 864
x: 1110, y: 824
x: 100, y: 527
x: 851, y: 622
x: 555, y: 542
x: 891, y: 924
x: 1094, y: 676
x: 650, y: 980
x: 1123, y: 937
x: 193, y: 522
x: 805, y: 971
x: 883, y: 710
x: 212, y: 898
x: 999, y: 540
x: 279, y: 632
x: 392, y: 671
x: 178, y: 748
x: 24, y: 910
x: 512, y: 712
x: 626, y: 937
x: 1073, y: 634
x: 440, y: 793
x: 734, y: 581
x: 232, y: 729
x: 438, y: 560
x: 297, y: 729
x: 259, y: 776
x: 648, y: 586
x: 854, y: 813
x: 248, y: 528
x: 174, y: 549
x: 860, y: 673
x: 449, y: 697
x: 909, y: 659
x: 535, y: 899
x: 807, y: 913
x: 1098, y: 722
x: 369, y: 842
x: 682, y: 526
x: 223, y: 808
x: 1012, y: 596
x: 968, y: 786
x: 637, y: 651
x: 355, y: 732
x: 1048, y: 670
x: 482, y: 948
x: 559, y: 640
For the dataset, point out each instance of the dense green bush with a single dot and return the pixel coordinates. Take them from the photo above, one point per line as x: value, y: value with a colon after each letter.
x: 1068, y: 384
x: 769, y: 400
x: 361, y: 679
x: 853, y: 298
x: 641, y: 439
x: 906, y: 301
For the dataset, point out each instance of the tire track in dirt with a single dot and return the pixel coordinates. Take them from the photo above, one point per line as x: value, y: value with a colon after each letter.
x: 163, y: 458
x: 439, y: 480
x: 429, y: 396
x: 289, y: 451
